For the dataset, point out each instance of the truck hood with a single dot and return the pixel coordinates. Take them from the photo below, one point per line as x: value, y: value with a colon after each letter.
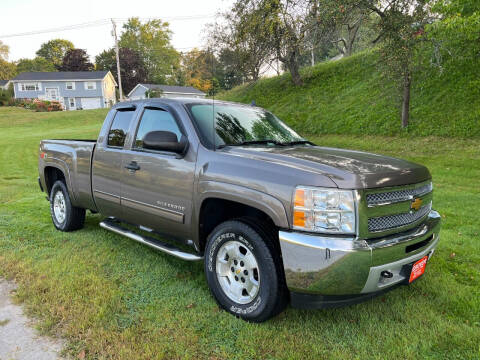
x: 347, y: 168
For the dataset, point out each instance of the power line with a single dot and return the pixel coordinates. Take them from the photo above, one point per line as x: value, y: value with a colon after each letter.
x: 63, y: 28
x: 103, y: 22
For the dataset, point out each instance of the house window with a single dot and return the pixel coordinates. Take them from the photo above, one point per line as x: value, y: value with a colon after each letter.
x: 90, y: 85
x: 29, y: 87
x: 70, y: 85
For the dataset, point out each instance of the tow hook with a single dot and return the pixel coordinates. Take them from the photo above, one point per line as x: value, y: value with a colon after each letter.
x: 386, y: 274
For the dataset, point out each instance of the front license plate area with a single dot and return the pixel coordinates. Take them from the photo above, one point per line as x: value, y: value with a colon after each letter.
x: 418, y: 268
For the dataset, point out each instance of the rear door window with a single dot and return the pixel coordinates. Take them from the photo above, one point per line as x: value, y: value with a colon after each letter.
x: 156, y: 120
x: 118, y: 130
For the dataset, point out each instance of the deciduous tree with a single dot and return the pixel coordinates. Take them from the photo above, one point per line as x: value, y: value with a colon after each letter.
x: 76, y: 60
x: 131, y: 65
x: 8, y: 70
x: 151, y: 40
x: 36, y: 64
x: 4, y: 51
x: 55, y: 50
x: 401, y: 27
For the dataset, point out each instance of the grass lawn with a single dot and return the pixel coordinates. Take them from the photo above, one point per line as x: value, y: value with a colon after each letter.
x: 113, y: 298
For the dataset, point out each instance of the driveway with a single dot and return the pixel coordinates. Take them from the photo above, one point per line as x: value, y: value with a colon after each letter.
x: 18, y: 340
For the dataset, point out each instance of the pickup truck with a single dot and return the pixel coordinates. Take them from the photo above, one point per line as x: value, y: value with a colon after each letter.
x: 274, y: 217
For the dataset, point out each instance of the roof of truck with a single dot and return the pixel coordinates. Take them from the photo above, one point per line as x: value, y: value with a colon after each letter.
x: 174, y: 101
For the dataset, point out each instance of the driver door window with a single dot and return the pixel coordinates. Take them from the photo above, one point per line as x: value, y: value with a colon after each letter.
x: 156, y: 120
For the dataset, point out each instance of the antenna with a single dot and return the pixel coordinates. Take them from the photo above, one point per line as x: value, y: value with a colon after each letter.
x: 213, y: 98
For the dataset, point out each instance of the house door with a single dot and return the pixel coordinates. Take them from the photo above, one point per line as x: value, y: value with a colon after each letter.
x: 51, y: 93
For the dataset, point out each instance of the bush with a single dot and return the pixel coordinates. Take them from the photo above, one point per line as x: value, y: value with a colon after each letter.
x: 36, y: 104
x: 55, y: 106
x: 4, y: 97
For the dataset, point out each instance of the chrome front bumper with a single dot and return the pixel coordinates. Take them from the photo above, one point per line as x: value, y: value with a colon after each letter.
x: 329, y: 265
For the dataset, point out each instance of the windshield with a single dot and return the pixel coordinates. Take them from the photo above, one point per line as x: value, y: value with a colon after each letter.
x: 236, y: 125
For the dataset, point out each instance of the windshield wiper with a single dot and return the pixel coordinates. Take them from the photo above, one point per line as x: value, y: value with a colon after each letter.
x: 298, y: 142
x: 253, y: 142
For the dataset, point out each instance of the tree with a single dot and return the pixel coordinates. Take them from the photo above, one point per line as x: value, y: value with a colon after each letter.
x: 232, y: 68
x: 36, y: 64
x: 76, y: 60
x: 348, y: 18
x: 456, y: 35
x: 198, y: 69
x: 401, y: 25
x: 4, y: 51
x: 281, y: 26
x: 55, y: 50
x: 8, y: 70
x: 131, y: 65
x: 151, y: 40
x: 240, y: 44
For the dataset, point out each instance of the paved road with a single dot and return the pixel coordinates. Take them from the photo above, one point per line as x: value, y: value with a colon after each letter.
x: 18, y: 340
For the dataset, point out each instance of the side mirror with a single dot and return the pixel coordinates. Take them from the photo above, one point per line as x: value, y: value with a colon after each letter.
x: 165, y: 141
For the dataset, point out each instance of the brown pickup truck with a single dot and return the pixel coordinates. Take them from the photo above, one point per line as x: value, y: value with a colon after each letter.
x: 274, y: 217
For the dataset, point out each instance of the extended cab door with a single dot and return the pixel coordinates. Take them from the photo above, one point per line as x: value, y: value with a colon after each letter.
x: 157, y: 186
x: 107, y: 169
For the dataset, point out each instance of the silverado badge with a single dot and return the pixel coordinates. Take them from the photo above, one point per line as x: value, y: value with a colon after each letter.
x: 416, y: 204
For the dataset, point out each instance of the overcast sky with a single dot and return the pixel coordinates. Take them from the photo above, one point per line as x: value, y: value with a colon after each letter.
x: 20, y: 16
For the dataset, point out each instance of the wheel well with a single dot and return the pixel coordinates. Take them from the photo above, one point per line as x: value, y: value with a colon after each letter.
x: 52, y: 174
x: 215, y: 211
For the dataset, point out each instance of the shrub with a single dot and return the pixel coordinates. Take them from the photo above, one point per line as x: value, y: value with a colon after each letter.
x: 4, y: 97
x: 56, y: 106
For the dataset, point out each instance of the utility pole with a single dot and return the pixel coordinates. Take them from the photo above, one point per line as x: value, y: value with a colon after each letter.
x: 114, y: 33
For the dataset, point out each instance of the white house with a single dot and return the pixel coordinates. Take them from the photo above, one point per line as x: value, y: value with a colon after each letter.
x: 168, y: 91
x: 73, y: 89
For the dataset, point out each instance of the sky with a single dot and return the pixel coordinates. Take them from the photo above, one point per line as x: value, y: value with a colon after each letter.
x: 20, y: 16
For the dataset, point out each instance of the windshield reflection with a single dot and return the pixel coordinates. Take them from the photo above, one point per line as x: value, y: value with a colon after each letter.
x: 235, y: 125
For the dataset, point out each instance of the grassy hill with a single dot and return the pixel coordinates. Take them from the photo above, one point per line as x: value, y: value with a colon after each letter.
x: 349, y: 97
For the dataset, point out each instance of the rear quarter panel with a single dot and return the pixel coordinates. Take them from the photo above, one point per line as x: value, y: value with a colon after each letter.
x: 73, y: 158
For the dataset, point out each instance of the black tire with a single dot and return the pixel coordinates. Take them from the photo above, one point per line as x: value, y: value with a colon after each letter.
x: 271, y: 297
x: 74, y: 217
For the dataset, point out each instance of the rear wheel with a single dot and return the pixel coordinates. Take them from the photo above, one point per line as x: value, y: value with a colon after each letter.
x: 244, y: 271
x: 65, y: 216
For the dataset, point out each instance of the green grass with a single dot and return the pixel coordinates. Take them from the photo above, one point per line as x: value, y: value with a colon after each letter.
x: 349, y: 97
x: 116, y: 299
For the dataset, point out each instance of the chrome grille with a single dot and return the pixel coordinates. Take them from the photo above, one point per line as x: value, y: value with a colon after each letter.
x: 397, y: 195
x: 393, y: 221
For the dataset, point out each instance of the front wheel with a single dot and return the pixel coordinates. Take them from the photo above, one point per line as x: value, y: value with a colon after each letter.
x: 244, y: 271
x: 65, y: 216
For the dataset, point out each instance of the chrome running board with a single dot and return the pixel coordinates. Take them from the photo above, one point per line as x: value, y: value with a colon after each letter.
x: 154, y: 243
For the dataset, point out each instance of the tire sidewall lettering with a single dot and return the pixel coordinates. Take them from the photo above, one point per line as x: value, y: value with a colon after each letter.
x: 219, y: 240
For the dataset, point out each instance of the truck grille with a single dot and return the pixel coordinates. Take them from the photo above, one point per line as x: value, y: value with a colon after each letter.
x: 393, y: 221
x: 397, y: 195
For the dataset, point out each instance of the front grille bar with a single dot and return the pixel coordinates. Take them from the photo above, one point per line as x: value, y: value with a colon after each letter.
x: 390, y: 197
x: 383, y: 223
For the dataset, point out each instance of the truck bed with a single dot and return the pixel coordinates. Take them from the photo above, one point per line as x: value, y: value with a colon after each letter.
x: 74, y: 158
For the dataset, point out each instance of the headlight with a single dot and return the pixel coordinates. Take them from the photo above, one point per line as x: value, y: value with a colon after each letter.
x: 324, y: 210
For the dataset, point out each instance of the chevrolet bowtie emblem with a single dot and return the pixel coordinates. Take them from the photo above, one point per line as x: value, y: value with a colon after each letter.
x: 416, y: 204
x: 238, y: 271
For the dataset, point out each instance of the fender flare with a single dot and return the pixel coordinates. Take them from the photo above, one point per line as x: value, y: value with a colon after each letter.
x: 57, y: 164
x: 244, y: 195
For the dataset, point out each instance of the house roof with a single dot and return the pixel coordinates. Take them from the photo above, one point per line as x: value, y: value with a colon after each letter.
x: 4, y: 82
x: 61, y: 75
x: 172, y: 89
